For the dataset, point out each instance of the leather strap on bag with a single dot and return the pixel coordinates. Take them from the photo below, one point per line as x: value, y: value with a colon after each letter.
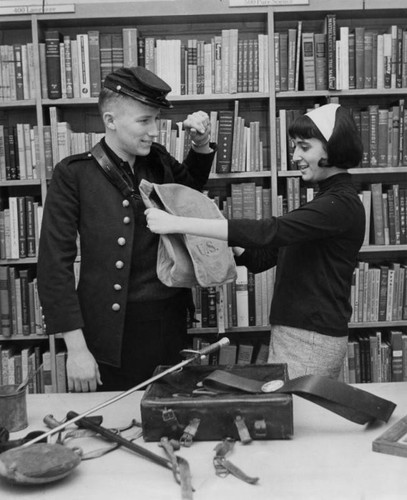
x: 113, y: 173
x: 224, y: 467
x: 349, y: 402
x: 180, y: 468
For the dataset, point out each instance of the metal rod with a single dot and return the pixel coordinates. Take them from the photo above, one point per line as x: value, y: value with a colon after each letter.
x: 199, y: 354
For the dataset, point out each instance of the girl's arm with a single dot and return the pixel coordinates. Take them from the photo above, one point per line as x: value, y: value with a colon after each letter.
x: 161, y: 222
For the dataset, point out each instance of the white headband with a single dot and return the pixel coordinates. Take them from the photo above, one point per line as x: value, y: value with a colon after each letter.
x: 324, y: 118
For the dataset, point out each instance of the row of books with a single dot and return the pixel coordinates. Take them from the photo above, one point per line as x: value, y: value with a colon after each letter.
x: 379, y: 292
x: 371, y: 58
x: 20, y: 226
x: 386, y: 207
x: 242, y: 303
x: 296, y: 194
x: 61, y: 141
x: 384, y: 135
x: 17, y: 74
x: 226, y: 63
x: 240, y: 148
x: 75, y: 67
x: 17, y: 363
x: 340, y: 58
x: 376, y: 357
x: 20, y: 310
x: 240, y: 145
x: 19, y: 152
x: 243, y: 352
x: 383, y: 132
x: 246, y: 201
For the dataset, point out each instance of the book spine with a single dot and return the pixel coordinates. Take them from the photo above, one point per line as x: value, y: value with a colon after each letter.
x: 308, y: 61
x: 292, y: 52
x: 141, y: 54
x: 396, y: 344
x: 242, y: 302
x: 130, y: 47
x: 331, y: 39
x: 321, y: 64
x: 284, y: 61
x: 25, y: 301
x: 22, y: 227
x: 94, y: 62
x: 27, y: 151
x: 18, y: 71
x: 117, y: 51
x: 225, y: 141
x: 373, y: 134
x: 83, y: 64
x: 53, y: 62
x: 251, y: 298
x: 105, y: 55
x: 368, y: 57
x: 5, y: 308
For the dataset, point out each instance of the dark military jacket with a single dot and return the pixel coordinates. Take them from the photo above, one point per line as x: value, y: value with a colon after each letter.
x: 81, y: 200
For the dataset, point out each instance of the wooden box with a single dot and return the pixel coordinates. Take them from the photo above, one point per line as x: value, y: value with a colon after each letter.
x: 169, y: 405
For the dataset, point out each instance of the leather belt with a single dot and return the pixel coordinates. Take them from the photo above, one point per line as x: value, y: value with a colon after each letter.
x: 349, y: 402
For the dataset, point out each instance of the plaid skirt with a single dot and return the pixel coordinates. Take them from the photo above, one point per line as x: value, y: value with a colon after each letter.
x: 307, y: 352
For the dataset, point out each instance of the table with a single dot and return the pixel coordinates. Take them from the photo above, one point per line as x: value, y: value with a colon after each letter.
x: 329, y: 457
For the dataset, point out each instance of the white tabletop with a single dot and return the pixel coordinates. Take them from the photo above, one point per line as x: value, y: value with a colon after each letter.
x: 328, y: 457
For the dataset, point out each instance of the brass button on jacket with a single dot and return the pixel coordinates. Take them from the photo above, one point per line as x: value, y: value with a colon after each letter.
x: 119, y: 264
x: 121, y: 241
x: 116, y: 307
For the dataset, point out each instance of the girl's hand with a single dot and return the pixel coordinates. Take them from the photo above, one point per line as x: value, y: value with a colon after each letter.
x: 160, y: 222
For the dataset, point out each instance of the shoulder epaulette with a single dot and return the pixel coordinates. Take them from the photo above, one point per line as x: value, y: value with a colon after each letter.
x: 78, y: 157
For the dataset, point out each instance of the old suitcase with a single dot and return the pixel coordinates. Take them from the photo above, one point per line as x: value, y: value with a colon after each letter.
x: 173, y: 407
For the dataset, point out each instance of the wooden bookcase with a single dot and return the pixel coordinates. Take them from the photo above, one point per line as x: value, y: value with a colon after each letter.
x: 183, y: 19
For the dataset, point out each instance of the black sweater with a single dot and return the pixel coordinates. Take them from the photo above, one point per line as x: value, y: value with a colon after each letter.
x: 315, y: 248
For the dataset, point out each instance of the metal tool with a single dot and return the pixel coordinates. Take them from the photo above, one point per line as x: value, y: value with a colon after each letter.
x: 87, y: 423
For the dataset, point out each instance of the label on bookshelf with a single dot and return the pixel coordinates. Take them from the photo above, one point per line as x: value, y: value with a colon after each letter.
x: 12, y: 9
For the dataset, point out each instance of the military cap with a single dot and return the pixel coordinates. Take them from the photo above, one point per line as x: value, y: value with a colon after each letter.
x: 140, y: 84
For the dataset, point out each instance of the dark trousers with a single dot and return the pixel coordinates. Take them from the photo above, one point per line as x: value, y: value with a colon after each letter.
x: 154, y: 334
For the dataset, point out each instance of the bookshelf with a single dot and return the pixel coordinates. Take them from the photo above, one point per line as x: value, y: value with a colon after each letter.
x: 259, y: 106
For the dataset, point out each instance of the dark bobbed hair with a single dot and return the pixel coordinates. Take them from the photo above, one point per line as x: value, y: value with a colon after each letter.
x: 344, y: 148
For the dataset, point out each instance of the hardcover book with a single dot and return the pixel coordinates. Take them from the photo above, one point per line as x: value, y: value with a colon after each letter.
x: 331, y: 40
x: 83, y: 64
x: 321, y: 62
x: 225, y: 141
x: 94, y: 62
x: 308, y: 61
x: 53, y: 62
